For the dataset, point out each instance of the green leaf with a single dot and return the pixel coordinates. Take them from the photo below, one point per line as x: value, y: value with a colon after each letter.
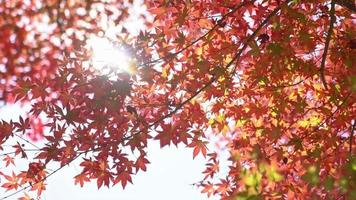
x: 353, y: 83
x: 275, y: 49
x: 255, y: 50
x: 329, y: 183
x: 312, y: 175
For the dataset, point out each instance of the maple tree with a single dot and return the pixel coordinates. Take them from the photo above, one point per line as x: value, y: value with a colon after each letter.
x: 274, y: 80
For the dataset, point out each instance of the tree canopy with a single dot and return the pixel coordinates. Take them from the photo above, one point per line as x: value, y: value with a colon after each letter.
x: 275, y: 81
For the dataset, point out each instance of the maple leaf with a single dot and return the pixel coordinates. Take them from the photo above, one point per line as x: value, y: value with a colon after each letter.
x: 165, y: 136
x: 26, y: 197
x: 223, y: 187
x: 24, y: 86
x: 208, y: 188
x: 199, y: 146
x: 39, y: 187
x: 104, y: 178
x: 19, y: 149
x: 9, y: 160
x: 211, y: 169
x: 12, y: 182
x: 22, y: 125
x: 81, y: 179
x: 123, y: 177
x: 141, y: 163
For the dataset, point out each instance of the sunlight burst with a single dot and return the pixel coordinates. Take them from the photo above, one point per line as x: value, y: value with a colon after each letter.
x: 108, y: 57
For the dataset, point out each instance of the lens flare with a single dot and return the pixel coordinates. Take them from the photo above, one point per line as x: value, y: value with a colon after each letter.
x: 108, y: 57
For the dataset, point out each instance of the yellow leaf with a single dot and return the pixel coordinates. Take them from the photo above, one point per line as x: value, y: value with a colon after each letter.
x: 240, y: 123
x: 228, y: 59
x: 205, y: 23
x: 225, y: 130
x: 259, y: 122
x: 259, y: 132
x: 211, y: 121
x: 317, y: 86
x: 221, y: 118
x: 314, y: 120
x: 199, y: 51
x: 164, y: 73
x: 273, y: 174
x: 303, y: 123
x: 292, y: 96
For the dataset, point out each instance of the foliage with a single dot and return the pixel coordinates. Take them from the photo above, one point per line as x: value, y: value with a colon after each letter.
x: 274, y: 80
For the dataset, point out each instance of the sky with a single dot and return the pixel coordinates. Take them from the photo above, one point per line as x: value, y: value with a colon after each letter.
x: 169, y: 176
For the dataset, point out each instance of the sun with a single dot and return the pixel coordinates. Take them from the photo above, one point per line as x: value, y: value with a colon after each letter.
x: 108, y: 57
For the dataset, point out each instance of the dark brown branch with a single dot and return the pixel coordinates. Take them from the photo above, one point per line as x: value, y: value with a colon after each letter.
x: 14, y: 152
x: 27, y: 141
x: 349, y: 4
x: 327, y: 43
x: 352, y: 136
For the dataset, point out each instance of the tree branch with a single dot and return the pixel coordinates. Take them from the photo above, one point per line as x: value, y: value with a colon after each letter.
x: 276, y: 87
x: 14, y: 152
x: 352, y: 136
x: 27, y: 141
x: 349, y: 4
x: 327, y: 43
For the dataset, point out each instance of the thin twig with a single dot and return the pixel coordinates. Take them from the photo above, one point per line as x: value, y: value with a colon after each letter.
x: 352, y: 136
x: 282, y: 86
x: 327, y: 43
x: 27, y: 141
x: 14, y: 152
